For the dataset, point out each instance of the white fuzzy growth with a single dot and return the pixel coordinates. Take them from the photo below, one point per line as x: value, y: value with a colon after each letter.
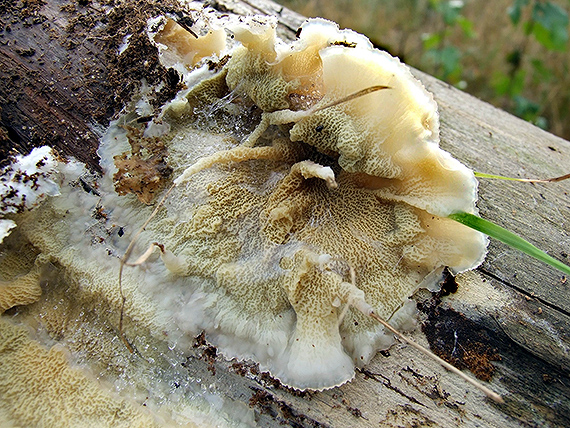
x: 28, y: 180
x: 6, y: 227
x: 125, y: 45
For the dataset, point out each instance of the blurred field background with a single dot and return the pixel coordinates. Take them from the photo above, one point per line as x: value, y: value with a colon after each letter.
x: 511, y: 53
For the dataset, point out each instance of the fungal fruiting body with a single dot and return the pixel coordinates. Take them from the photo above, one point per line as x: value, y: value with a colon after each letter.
x: 329, y: 196
x: 299, y: 198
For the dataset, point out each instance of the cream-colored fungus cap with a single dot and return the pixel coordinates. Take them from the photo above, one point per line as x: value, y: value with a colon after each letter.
x: 390, y: 134
x: 344, y: 184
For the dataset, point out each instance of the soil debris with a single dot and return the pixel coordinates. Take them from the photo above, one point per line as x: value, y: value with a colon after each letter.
x: 459, y: 340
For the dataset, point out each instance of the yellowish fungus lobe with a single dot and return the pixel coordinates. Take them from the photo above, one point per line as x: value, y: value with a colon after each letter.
x: 21, y: 291
x: 40, y: 389
x: 19, y: 279
x: 182, y: 46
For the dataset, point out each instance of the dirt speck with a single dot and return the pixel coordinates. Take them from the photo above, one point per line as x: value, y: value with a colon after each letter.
x: 280, y: 410
x: 407, y: 416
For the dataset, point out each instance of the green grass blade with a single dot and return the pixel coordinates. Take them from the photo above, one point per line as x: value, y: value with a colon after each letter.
x: 509, y: 238
x: 499, y: 177
x: 524, y: 180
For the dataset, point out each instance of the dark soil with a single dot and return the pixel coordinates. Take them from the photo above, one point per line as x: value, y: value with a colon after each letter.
x: 458, y: 340
x: 61, y: 77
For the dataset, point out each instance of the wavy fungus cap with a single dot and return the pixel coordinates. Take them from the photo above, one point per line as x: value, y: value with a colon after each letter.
x: 343, y: 201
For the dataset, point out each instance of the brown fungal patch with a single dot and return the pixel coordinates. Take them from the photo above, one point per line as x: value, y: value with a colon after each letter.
x: 271, y: 381
x: 144, y: 170
x: 240, y: 368
x: 260, y: 398
x: 459, y: 340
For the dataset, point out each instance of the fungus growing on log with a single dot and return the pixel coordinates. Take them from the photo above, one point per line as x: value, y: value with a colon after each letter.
x: 27, y: 366
x: 321, y: 187
x: 306, y: 187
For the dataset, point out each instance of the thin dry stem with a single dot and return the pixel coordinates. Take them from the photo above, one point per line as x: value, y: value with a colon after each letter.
x: 548, y: 180
x: 351, y: 97
x: 123, y: 299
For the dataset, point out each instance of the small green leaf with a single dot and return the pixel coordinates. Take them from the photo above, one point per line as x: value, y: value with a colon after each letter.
x: 551, y: 25
x: 431, y: 41
x: 467, y: 26
x: 501, y: 234
x: 515, y: 10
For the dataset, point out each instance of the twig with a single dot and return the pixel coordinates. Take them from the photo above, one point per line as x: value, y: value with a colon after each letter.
x: 492, y: 395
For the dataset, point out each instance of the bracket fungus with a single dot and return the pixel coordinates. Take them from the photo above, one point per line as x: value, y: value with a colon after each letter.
x: 320, y: 191
x: 307, y: 189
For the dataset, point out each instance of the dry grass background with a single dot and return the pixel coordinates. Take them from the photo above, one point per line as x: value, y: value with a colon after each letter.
x: 474, y: 45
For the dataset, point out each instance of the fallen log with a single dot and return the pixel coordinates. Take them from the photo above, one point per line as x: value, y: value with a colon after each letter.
x: 63, y: 78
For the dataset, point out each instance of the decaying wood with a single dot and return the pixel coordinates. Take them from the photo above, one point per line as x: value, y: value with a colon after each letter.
x: 61, y: 79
